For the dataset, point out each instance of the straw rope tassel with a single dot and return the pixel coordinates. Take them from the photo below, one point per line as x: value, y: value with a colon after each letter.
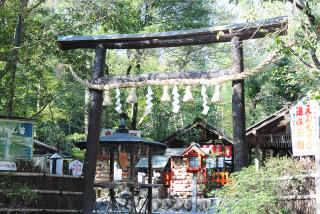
x: 165, y: 95
x: 106, y: 99
x: 175, y: 103
x: 217, y: 97
x: 149, y: 101
x: 118, y: 102
x: 204, y: 98
x: 132, y: 98
x: 188, y: 98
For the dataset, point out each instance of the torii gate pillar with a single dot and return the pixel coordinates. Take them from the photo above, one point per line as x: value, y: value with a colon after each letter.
x: 238, y: 108
x: 94, y: 128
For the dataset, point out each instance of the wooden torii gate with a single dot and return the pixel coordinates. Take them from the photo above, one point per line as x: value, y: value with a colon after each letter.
x: 232, y: 33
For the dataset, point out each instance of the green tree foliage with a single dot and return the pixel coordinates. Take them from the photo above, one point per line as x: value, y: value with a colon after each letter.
x: 297, y: 72
x: 249, y: 191
x: 56, y: 102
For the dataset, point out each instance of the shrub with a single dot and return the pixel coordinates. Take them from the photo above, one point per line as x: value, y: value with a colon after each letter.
x: 15, y: 195
x: 249, y: 191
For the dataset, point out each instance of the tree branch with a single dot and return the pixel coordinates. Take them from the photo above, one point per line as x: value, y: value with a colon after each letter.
x: 306, y: 10
x: 315, y: 59
x: 300, y: 58
x: 48, y: 102
x: 33, y: 7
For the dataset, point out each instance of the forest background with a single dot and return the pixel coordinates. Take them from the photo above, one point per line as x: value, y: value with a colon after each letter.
x: 32, y: 85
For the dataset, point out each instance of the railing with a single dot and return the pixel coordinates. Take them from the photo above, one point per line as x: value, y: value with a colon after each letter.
x: 277, y: 140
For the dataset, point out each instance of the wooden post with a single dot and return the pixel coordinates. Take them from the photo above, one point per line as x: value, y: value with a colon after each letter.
x: 317, y: 180
x: 264, y: 155
x: 194, y: 192
x: 224, y: 157
x: 131, y: 178
x: 257, y: 153
x: 94, y: 129
x: 150, y: 180
x: 112, y: 198
x: 238, y: 107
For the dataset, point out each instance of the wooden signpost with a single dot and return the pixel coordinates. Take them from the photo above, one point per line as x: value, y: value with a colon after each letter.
x: 305, y: 131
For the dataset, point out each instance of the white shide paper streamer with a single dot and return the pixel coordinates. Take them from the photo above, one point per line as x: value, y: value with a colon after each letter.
x: 149, y: 101
x: 118, y: 101
x: 175, y: 103
x: 204, y: 99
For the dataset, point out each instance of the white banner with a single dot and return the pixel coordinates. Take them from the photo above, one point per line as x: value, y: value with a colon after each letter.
x: 105, y: 132
x: 8, y: 166
x: 304, y: 124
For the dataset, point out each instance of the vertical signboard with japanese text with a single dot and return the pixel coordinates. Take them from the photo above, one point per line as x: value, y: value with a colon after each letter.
x: 304, y: 124
x: 16, y: 140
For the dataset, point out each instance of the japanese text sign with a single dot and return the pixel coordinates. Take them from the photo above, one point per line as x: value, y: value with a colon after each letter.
x: 16, y: 140
x: 304, y: 124
x: 105, y: 132
x: 76, y: 167
x: 8, y: 166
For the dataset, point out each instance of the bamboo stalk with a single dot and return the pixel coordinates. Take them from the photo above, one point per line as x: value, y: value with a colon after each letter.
x: 31, y: 174
x: 53, y: 192
x: 298, y: 197
x: 8, y: 210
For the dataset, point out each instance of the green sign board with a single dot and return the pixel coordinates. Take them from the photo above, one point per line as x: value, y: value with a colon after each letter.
x: 16, y: 140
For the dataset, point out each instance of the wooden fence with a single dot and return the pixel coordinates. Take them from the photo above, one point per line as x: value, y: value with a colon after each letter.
x: 303, y: 196
x: 53, y: 193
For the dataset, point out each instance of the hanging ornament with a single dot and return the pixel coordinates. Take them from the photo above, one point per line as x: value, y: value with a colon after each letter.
x: 123, y: 160
x: 188, y: 98
x: 217, y: 97
x: 175, y: 103
x: 204, y: 98
x: 165, y: 96
x: 149, y: 101
x: 106, y: 99
x: 132, y: 98
x: 118, y: 101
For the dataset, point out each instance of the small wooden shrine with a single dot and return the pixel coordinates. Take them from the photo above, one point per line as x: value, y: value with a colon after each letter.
x: 209, y: 153
x: 126, y: 150
x: 272, y: 135
x: 291, y: 131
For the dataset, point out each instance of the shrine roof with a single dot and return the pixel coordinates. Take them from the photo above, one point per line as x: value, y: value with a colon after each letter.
x: 40, y: 147
x: 198, y: 123
x: 122, y: 137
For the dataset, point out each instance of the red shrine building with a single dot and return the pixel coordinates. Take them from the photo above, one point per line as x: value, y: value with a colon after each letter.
x: 197, y: 148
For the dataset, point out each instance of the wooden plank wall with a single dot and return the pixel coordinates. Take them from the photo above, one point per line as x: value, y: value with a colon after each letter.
x: 55, y: 193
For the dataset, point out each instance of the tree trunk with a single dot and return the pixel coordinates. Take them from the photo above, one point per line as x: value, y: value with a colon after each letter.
x: 12, y: 66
